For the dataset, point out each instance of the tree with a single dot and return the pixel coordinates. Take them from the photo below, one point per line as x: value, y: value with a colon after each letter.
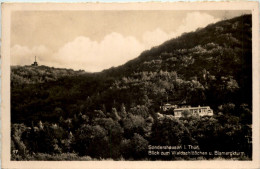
x: 245, y: 114
x: 87, y: 138
x: 133, y: 124
x: 58, y: 111
x: 140, y: 111
x: 17, y: 131
x: 104, y: 110
x: 139, y: 147
x: 89, y: 103
x: 114, y: 135
x: 186, y: 113
x: 228, y: 108
x: 68, y: 142
x: 168, y: 131
x: 146, y: 101
x: 135, y: 148
x: 122, y: 112
x: 114, y: 114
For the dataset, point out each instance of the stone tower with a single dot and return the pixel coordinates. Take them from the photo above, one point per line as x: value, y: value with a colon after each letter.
x: 35, y: 63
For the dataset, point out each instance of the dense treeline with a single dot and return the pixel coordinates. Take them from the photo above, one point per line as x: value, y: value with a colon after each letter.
x: 117, y: 109
x: 23, y: 75
x: 122, y: 135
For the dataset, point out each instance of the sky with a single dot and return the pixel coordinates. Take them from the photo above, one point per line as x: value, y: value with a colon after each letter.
x: 97, y: 40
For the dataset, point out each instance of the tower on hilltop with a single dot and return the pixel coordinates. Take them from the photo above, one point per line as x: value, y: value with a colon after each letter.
x: 35, y: 63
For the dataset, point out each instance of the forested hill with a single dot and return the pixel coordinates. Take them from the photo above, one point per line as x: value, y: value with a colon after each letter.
x: 39, y: 74
x: 213, y: 60
x: 219, y: 48
x: 211, y: 66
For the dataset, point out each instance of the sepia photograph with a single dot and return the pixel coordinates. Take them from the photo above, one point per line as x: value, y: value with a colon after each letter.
x: 151, y: 82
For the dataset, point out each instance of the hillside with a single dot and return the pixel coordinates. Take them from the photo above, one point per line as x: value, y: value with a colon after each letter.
x: 195, y: 48
x: 193, y: 68
x: 59, y: 114
x: 39, y: 74
x: 215, y: 59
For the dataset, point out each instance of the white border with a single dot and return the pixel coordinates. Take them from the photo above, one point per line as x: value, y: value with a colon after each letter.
x: 7, y: 8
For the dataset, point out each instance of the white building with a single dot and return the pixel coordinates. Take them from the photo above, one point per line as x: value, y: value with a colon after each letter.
x: 199, y: 111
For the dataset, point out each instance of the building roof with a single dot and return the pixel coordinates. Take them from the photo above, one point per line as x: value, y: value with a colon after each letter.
x: 188, y: 108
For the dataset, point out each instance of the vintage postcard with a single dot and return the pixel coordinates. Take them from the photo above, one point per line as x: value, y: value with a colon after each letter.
x: 130, y: 85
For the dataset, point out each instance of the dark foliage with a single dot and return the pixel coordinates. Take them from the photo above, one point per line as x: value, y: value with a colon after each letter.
x: 113, y: 114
